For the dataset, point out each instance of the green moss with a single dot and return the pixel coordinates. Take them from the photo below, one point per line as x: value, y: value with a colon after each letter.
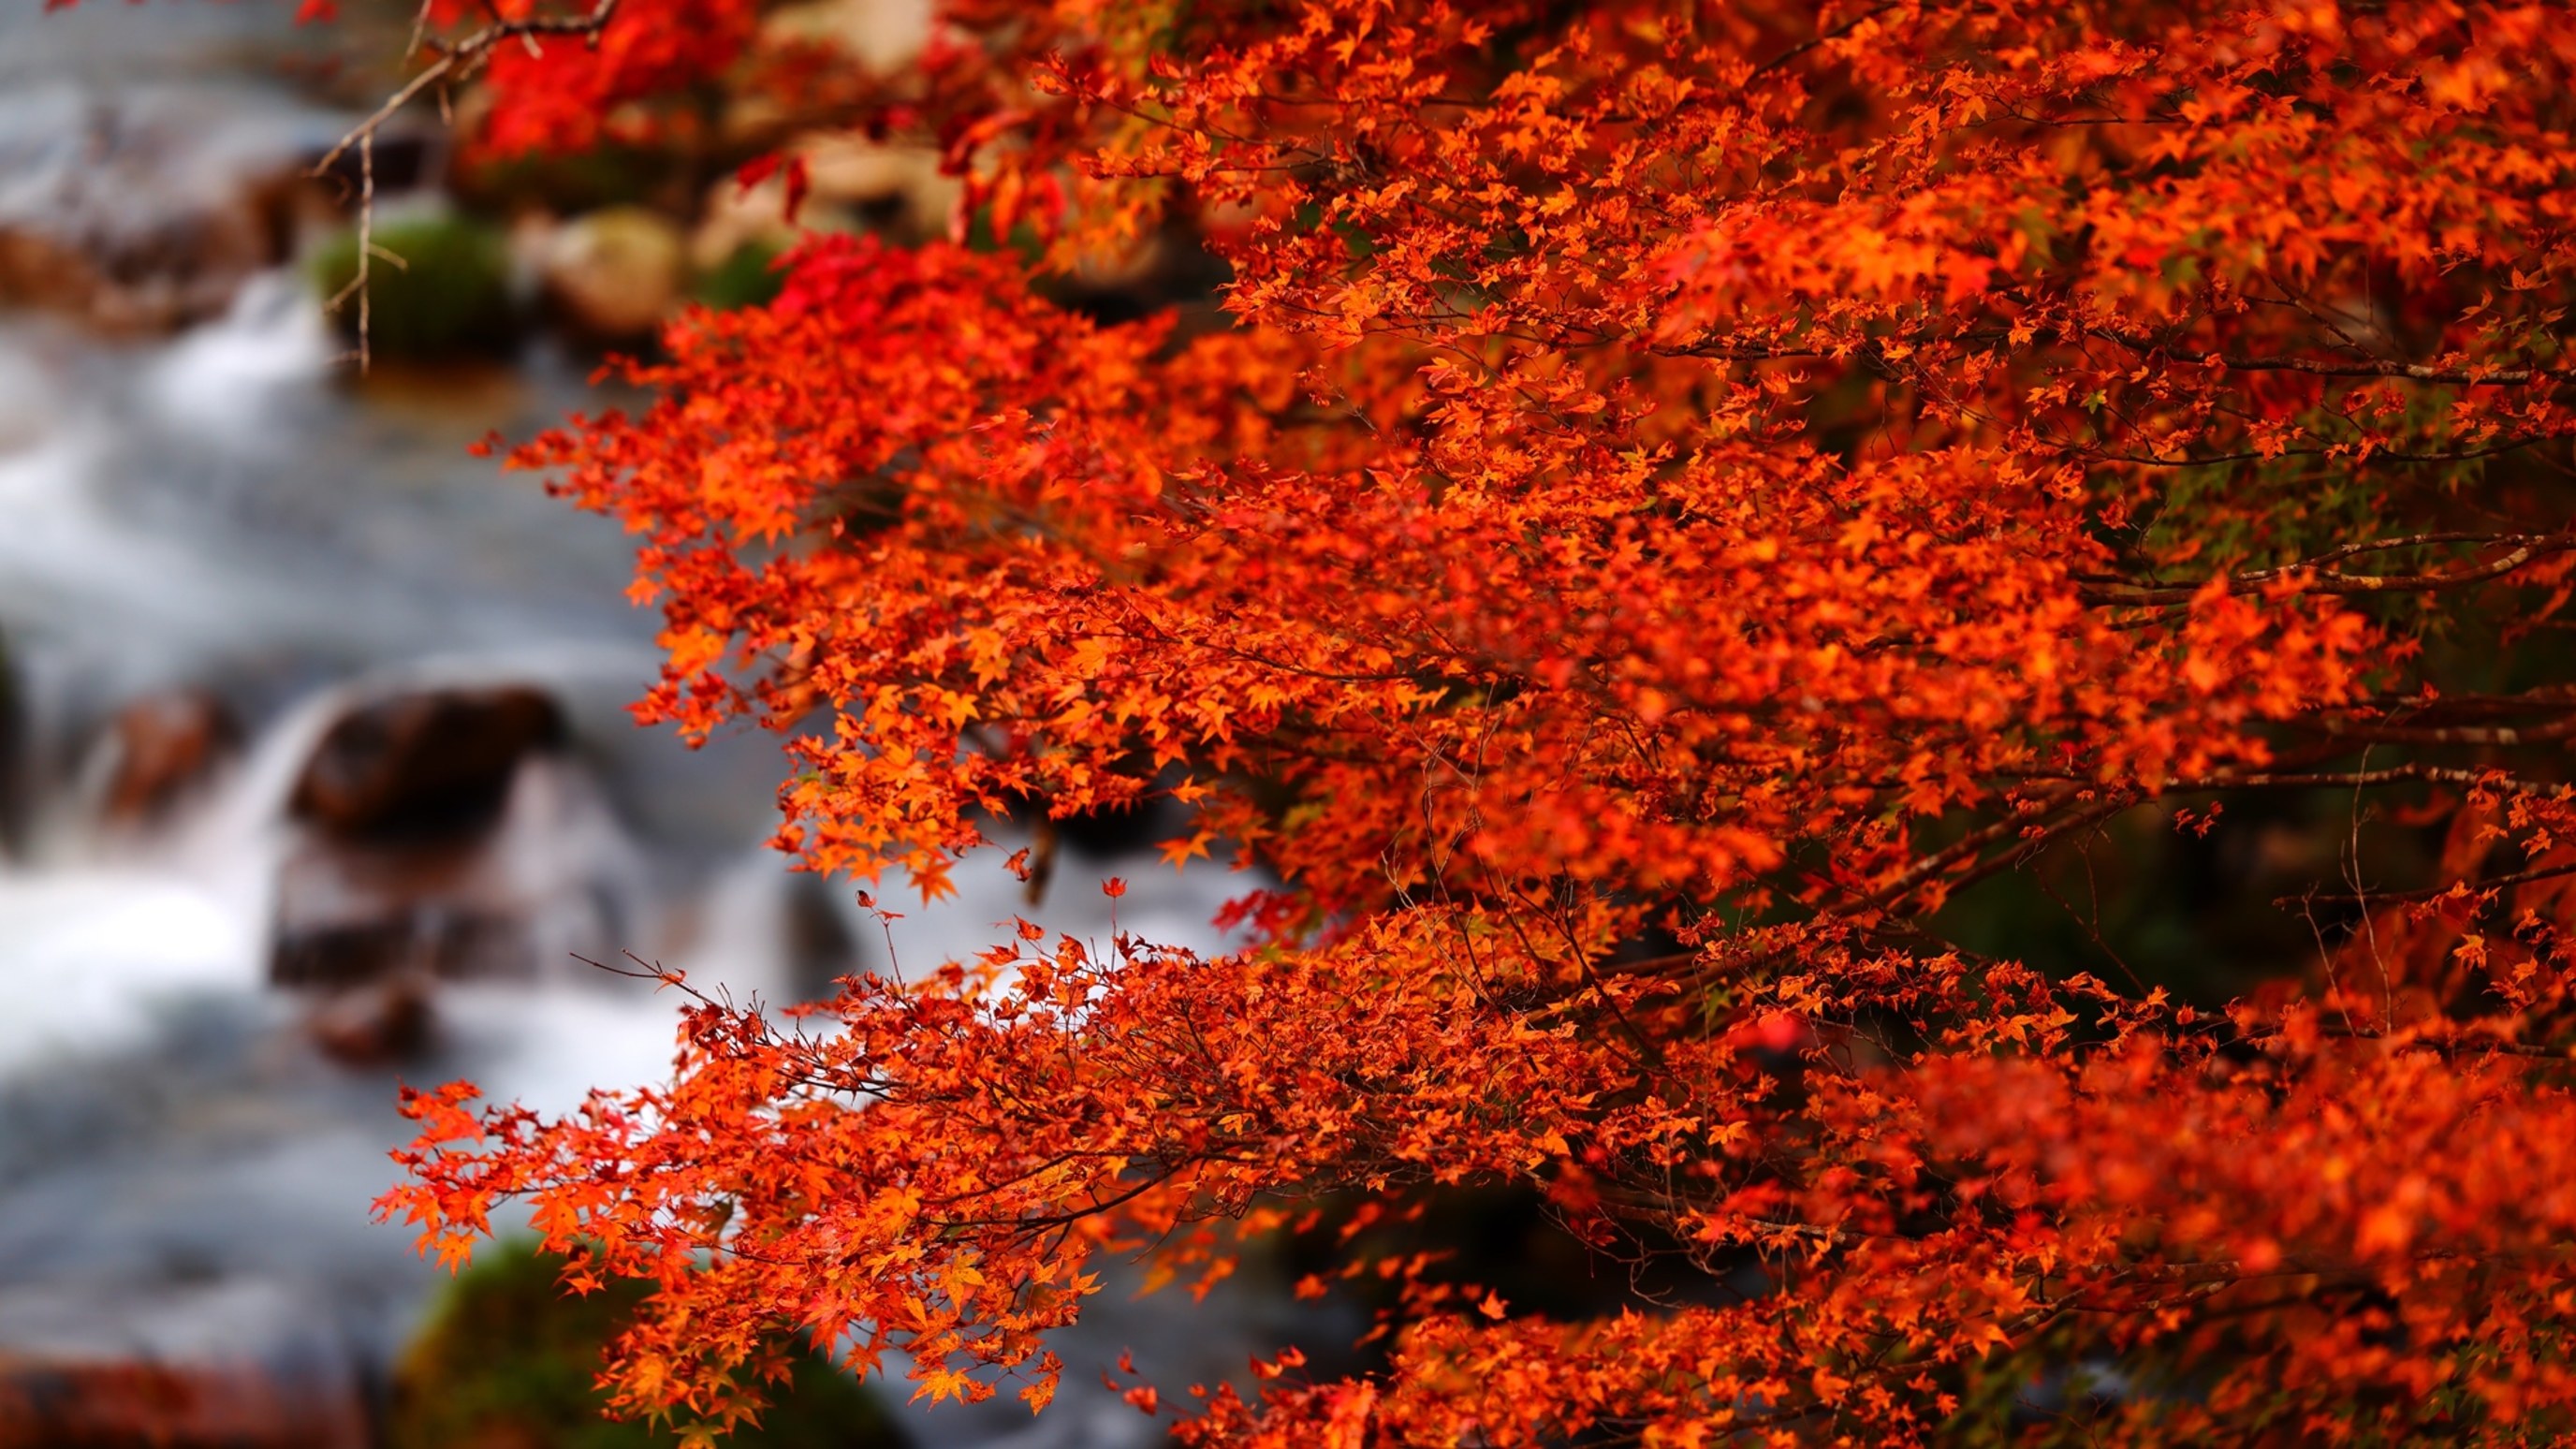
x: 747, y: 278
x: 510, y: 1359
x: 448, y: 298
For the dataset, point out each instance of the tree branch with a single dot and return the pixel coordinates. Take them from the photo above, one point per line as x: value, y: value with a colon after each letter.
x: 2410, y: 371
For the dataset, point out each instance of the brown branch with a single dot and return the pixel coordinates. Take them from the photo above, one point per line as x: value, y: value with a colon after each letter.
x: 2479, y: 887
x: 2442, y: 734
x: 2463, y: 455
x: 2345, y: 779
x: 459, y: 60
x: 2410, y: 371
x: 1967, y: 847
x: 2317, y: 576
x: 2548, y: 698
x: 1837, y: 33
x: 2457, y: 1044
x: 455, y: 62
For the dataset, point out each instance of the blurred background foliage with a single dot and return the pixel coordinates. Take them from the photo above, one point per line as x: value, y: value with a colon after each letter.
x: 509, y: 1360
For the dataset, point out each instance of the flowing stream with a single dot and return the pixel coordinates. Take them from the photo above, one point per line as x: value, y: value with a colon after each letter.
x: 215, y: 524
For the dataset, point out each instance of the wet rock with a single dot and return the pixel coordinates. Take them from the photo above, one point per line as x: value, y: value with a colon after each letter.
x: 404, y: 161
x: 439, y: 890
x: 815, y: 938
x: 162, y: 747
x: 1114, y: 833
x: 374, y: 1025
x: 147, y: 209
x: 243, y: 1365
x: 187, y: 271
x: 408, y: 869
x: 1170, y: 269
x: 424, y: 766
x: 614, y: 273
x: 1104, y: 834
x: 421, y: 942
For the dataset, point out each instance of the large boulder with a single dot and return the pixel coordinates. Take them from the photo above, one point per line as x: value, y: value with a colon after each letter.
x: 437, y: 764
x: 385, y: 1021
x: 615, y: 273
x: 405, y: 932
x: 147, y: 208
x: 443, y: 835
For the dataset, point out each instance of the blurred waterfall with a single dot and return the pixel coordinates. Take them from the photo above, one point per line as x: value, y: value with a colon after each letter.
x: 227, y: 572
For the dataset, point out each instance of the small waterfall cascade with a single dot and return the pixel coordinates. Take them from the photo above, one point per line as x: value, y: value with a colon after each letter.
x: 316, y: 777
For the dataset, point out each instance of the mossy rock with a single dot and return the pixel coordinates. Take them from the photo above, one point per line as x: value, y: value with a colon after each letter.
x: 509, y: 1360
x: 747, y: 277
x: 447, y: 300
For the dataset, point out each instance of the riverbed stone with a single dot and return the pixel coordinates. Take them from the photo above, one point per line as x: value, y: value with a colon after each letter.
x: 145, y: 208
x: 242, y: 1364
x: 165, y: 746
x: 432, y: 764
x: 615, y: 273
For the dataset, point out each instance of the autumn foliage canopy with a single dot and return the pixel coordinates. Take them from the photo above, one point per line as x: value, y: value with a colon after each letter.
x: 1680, y: 502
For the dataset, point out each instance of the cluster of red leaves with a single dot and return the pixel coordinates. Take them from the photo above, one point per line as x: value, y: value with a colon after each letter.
x: 1732, y: 476
x: 566, y: 93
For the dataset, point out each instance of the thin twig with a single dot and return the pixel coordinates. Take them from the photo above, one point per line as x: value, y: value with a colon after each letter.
x: 455, y: 62
x: 2318, y: 576
x: 367, y: 251
x: 2412, y: 371
x: 2435, y: 893
x: 461, y: 59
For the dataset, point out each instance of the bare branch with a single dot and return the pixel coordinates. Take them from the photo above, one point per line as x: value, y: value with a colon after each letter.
x: 457, y: 61
x: 2410, y: 371
x: 2318, y: 576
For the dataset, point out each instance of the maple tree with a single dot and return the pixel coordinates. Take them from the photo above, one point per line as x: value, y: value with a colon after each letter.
x: 1685, y: 493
